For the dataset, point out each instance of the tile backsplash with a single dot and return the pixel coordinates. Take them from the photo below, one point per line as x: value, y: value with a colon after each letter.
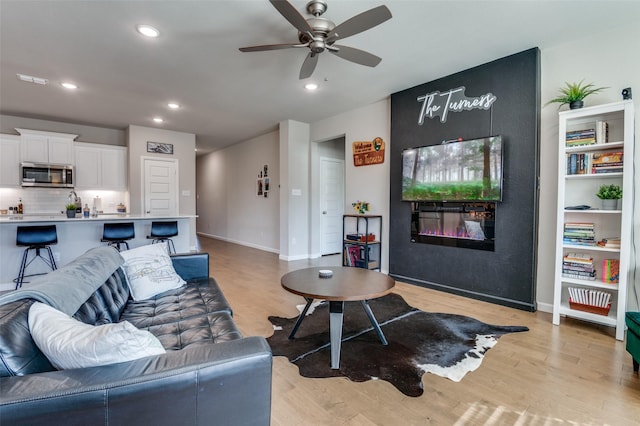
x: 53, y: 200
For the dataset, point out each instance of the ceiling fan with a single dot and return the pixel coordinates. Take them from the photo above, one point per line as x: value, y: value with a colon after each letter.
x: 320, y: 34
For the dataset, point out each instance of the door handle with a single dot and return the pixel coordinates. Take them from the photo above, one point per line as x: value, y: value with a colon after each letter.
x: 324, y: 212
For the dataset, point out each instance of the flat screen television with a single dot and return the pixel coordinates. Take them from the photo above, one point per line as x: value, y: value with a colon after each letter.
x: 468, y: 170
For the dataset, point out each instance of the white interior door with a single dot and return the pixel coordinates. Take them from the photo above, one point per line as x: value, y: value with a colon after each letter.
x: 331, y: 205
x: 161, y: 187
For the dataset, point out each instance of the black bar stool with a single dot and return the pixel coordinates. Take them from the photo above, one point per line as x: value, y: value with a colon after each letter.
x: 118, y: 233
x: 35, y: 238
x: 163, y: 231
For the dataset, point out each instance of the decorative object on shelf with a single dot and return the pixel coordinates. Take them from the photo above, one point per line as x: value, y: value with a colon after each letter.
x: 71, y: 210
x: 361, y: 206
x: 609, y: 194
x: 573, y: 94
x: 121, y: 208
x: 160, y: 148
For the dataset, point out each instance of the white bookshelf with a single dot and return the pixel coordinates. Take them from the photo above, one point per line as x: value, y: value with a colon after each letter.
x: 580, y: 189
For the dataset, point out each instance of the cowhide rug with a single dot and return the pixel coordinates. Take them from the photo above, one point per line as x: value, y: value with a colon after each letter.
x: 444, y: 344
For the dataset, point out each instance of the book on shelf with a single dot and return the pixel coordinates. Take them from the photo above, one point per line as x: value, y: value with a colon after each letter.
x: 579, y: 266
x: 580, y: 137
x: 594, y: 163
x: 579, y: 258
x: 609, y: 243
x: 353, y: 254
x: 608, y: 157
x: 602, y: 131
x: 611, y: 271
x: 577, y: 233
x: 587, y: 296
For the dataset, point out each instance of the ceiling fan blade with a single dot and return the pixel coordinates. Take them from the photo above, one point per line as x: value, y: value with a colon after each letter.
x: 356, y: 55
x: 360, y: 23
x: 309, y: 65
x: 270, y: 47
x: 292, y: 15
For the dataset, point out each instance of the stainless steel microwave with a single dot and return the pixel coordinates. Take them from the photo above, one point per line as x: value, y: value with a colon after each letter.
x: 46, y: 175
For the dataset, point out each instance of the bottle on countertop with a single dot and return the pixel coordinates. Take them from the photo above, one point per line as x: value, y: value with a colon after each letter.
x: 86, y: 211
x: 20, y: 207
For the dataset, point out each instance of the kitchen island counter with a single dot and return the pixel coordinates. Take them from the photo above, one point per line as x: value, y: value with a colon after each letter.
x: 59, y: 217
x: 76, y: 236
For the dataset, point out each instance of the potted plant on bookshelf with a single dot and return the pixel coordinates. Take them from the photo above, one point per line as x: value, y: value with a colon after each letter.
x: 609, y: 194
x: 573, y: 94
x: 71, y: 210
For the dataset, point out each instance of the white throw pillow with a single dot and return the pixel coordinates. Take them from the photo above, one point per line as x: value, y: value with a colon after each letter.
x: 150, y: 271
x: 69, y: 343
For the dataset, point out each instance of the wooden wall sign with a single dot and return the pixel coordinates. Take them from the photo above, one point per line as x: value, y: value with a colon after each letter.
x: 368, y: 153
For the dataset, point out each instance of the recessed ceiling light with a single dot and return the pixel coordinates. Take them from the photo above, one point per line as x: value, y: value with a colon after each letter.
x: 32, y: 79
x: 311, y: 86
x: 68, y: 85
x: 173, y: 105
x: 147, y: 30
x: 158, y: 119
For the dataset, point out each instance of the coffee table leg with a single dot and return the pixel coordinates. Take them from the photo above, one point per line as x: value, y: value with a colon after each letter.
x: 374, y: 322
x: 335, y: 326
x: 300, y: 318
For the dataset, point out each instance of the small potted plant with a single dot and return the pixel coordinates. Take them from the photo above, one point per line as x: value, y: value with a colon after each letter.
x: 71, y: 210
x: 609, y: 194
x: 573, y: 94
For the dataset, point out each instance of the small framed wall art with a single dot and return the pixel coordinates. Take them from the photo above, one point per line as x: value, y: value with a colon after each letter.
x: 159, y: 147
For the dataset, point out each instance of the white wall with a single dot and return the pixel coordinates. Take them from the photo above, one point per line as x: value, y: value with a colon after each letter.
x: 295, y: 194
x: 184, y: 150
x: 606, y: 59
x: 364, y: 183
x: 227, y: 206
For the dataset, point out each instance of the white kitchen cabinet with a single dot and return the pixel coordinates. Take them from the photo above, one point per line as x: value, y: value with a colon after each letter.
x: 100, y: 166
x: 46, y: 147
x: 10, y: 160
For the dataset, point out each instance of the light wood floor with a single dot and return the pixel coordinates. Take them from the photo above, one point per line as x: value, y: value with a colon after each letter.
x: 574, y: 374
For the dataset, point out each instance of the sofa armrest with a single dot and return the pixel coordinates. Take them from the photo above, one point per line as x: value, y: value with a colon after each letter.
x: 191, y: 265
x: 223, y: 383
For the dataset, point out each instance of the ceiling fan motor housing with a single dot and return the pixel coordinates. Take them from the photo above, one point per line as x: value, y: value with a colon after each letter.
x: 321, y: 27
x: 317, y: 7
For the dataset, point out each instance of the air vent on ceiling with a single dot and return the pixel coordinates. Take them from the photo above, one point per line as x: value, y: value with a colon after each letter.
x: 31, y: 79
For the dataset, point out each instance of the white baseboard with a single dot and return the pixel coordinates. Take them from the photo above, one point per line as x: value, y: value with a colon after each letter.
x: 242, y: 243
x: 292, y: 258
x: 545, y: 307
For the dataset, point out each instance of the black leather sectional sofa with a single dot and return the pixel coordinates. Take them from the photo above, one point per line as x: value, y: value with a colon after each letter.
x: 209, y: 374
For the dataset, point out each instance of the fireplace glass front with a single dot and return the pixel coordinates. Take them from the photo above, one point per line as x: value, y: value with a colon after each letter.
x: 464, y: 225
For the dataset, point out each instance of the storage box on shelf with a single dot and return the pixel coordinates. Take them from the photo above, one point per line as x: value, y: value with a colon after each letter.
x: 360, y: 247
x: 592, y: 244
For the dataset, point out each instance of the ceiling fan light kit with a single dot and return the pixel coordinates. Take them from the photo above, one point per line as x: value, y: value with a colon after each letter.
x: 319, y: 34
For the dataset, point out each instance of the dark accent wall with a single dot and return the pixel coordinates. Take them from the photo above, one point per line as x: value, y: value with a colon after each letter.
x: 505, y: 276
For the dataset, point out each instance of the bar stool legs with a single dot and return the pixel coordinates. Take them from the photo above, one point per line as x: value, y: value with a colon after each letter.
x: 163, y: 231
x: 116, y: 234
x: 35, y: 238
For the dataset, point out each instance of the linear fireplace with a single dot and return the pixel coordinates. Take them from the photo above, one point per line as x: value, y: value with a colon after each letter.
x: 465, y: 225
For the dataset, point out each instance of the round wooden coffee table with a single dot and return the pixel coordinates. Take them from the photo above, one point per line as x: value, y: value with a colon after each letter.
x: 346, y: 284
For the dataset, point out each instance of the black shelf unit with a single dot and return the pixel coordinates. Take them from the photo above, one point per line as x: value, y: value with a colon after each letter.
x: 362, y: 249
